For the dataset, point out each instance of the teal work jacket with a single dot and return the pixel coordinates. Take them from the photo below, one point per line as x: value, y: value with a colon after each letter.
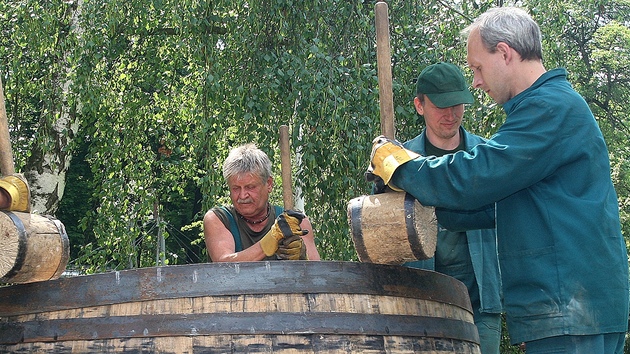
x: 481, y: 243
x: 563, y: 259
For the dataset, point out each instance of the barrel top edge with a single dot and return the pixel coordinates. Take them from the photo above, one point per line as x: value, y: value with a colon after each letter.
x: 238, y: 278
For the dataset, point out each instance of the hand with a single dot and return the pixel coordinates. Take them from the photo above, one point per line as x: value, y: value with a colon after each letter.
x: 291, y: 248
x: 287, y: 224
x: 387, y: 156
x: 16, y: 188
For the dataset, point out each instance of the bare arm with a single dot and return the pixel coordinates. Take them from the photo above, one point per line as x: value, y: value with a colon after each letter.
x: 309, y: 240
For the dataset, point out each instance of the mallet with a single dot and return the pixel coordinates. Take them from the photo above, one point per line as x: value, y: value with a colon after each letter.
x: 391, y: 227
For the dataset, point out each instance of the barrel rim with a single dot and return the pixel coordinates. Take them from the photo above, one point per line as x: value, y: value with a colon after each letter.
x: 231, y: 278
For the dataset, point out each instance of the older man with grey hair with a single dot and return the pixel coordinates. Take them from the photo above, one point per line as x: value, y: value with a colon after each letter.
x: 251, y: 229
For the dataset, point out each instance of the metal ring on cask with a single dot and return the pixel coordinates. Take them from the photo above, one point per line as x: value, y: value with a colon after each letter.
x: 32, y: 247
x: 392, y: 228
x: 278, y: 306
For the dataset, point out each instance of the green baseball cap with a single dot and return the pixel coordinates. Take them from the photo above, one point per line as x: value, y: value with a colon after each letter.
x: 444, y: 84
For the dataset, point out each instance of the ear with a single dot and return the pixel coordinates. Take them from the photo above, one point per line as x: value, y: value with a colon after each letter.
x: 506, y: 52
x: 418, y: 105
x: 269, y: 184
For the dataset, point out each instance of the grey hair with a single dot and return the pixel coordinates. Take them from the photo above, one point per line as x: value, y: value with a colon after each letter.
x: 247, y: 159
x: 510, y: 25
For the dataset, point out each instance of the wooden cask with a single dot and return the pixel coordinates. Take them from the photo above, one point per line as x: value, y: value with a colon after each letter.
x: 392, y: 228
x: 32, y: 247
x: 279, y: 307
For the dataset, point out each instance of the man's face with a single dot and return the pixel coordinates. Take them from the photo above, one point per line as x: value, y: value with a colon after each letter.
x: 249, y: 193
x: 489, y: 69
x: 442, y: 123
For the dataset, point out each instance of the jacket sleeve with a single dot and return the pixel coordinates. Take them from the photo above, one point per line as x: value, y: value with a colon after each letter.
x: 464, y: 220
x: 523, y: 152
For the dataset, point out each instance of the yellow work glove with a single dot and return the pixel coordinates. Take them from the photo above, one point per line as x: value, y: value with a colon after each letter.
x: 287, y: 224
x: 17, y: 188
x: 291, y: 248
x: 387, y: 156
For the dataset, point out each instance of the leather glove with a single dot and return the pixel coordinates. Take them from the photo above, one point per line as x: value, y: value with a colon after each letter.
x: 17, y: 188
x: 387, y: 156
x: 286, y: 225
x: 291, y: 248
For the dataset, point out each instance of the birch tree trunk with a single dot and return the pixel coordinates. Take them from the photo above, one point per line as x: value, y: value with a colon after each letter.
x: 46, y: 168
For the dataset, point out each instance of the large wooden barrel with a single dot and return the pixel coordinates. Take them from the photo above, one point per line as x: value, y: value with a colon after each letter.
x: 392, y: 228
x: 32, y: 247
x: 279, y: 306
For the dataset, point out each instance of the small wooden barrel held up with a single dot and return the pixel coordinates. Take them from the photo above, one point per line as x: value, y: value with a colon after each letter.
x: 32, y: 247
x: 392, y: 228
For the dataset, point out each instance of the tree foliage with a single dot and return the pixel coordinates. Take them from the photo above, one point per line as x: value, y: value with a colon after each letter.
x: 162, y: 89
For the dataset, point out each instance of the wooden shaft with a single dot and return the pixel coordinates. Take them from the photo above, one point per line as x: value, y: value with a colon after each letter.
x: 285, y: 163
x: 384, y: 67
x: 6, y: 156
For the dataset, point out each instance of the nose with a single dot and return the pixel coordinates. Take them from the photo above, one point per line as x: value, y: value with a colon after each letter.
x: 454, y: 113
x: 240, y: 193
x: 477, y: 81
x: 243, y: 194
x: 449, y: 112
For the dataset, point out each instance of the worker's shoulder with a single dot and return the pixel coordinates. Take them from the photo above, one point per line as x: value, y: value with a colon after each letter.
x: 218, y: 212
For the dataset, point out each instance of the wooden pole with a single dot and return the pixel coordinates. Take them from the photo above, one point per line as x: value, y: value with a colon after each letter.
x: 384, y: 66
x: 285, y: 156
x: 6, y: 155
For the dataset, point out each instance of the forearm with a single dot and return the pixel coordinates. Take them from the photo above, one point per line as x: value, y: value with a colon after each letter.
x: 311, y: 249
x: 309, y: 240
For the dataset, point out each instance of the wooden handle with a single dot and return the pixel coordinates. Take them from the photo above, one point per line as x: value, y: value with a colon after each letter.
x: 285, y: 163
x: 384, y: 67
x: 6, y: 156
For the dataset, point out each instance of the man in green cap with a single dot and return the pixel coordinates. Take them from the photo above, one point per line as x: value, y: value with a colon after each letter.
x: 469, y: 256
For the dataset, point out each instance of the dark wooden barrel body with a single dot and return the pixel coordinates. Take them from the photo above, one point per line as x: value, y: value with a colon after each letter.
x: 281, y: 306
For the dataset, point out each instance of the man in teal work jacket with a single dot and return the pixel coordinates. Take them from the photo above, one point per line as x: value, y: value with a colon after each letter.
x: 544, y: 177
x: 468, y: 256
